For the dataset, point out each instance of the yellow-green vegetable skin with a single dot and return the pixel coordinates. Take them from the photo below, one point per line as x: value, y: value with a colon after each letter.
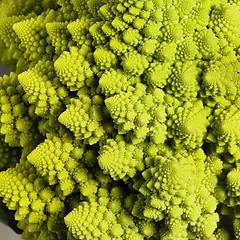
x: 120, y: 119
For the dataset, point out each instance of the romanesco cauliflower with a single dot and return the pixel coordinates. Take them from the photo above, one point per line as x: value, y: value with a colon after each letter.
x: 120, y: 119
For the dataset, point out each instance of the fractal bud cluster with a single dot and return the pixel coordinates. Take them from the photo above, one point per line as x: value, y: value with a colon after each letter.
x: 120, y: 119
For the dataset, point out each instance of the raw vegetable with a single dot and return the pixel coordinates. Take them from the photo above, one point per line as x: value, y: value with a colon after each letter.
x: 121, y: 119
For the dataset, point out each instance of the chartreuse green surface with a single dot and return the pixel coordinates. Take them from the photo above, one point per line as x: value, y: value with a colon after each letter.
x: 120, y: 119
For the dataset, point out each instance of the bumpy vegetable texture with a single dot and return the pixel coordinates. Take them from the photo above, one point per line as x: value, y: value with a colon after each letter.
x: 121, y: 119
